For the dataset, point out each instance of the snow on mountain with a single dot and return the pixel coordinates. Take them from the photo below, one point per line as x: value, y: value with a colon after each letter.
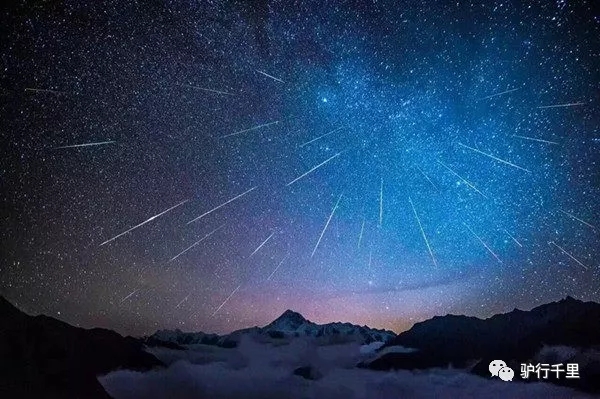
x: 289, y: 325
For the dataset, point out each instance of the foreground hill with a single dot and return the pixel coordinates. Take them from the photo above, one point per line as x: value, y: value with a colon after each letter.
x: 564, y: 331
x: 289, y: 325
x: 41, y: 357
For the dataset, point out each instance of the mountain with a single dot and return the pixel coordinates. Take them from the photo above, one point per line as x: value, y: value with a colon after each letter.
x: 175, y: 339
x: 41, y: 357
x: 515, y: 337
x: 290, y: 324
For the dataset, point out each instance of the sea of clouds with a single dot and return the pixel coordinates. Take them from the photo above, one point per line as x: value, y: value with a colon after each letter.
x: 256, y: 370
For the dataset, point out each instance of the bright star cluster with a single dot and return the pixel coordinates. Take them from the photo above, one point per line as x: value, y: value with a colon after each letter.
x: 207, y: 165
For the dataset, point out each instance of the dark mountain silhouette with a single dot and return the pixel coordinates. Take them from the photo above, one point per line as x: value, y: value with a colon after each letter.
x: 289, y: 325
x: 41, y: 357
x: 515, y: 337
x: 44, y: 357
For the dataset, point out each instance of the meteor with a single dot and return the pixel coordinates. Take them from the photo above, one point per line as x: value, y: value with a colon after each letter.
x: 427, y: 177
x: 462, y: 178
x: 45, y: 91
x: 362, y: 228
x: 499, y: 94
x: 222, y: 205
x: 250, y: 129
x: 313, y: 169
x: 143, y: 223
x: 84, y: 145
x: 280, y: 263
x: 534, y: 139
x: 226, y: 300
x: 381, y: 203
x: 561, y: 105
x: 484, y: 244
x: 579, y: 220
x: 196, y: 243
x: 261, y: 245
x: 564, y: 251
x: 422, y: 232
x: 493, y: 157
x: 209, y: 90
x: 320, y: 137
x: 182, y: 301
x: 270, y: 76
x: 513, y: 238
x: 130, y: 295
x: 326, y: 224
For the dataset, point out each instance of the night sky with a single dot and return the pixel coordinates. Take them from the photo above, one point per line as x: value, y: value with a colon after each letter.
x: 376, y: 162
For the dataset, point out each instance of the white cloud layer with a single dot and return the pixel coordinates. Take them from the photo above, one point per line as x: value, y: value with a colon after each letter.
x: 258, y: 370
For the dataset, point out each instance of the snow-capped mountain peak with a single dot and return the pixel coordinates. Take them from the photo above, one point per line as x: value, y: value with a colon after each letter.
x: 288, y: 321
x: 289, y: 325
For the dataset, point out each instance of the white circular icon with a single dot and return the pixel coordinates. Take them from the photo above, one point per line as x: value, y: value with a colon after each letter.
x: 506, y: 374
x: 495, y: 367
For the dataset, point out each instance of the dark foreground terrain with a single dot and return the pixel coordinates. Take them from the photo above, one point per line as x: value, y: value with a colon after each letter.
x: 41, y: 357
x: 570, y: 326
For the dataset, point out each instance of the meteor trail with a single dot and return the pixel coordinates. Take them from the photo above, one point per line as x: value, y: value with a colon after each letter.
x: 513, y: 238
x: 568, y: 254
x: 270, y: 76
x: 313, y: 169
x: 143, y: 223
x: 182, y: 301
x: 196, y: 243
x: 209, y: 90
x: 250, y: 129
x: 84, y: 145
x: 45, y: 91
x: 280, y: 263
x: 484, y: 244
x: 561, y: 105
x: 326, y: 224
x: 499, y: 94
x: 422, y: 232
x: 428, y: 179
x: 130, y: 295
x: 493, y: 157
x: 320, y: 137
x: 225, y: 301
x: 222, y: 205
x: 370, y: 257
x: 576, y: 218
x: 462, y: 178
x: 381, y: 203
x: 534, y: 139
x: 362, y: 228
x: 261, y: 245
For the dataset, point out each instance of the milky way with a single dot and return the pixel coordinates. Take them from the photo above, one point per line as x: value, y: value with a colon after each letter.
x: 207, y: 165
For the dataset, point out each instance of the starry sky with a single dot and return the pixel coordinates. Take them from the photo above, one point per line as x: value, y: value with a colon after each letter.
x: 206, y: 165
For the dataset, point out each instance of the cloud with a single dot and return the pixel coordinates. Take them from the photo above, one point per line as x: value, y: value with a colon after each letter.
x: 448, y: 279
x: 265, y: 371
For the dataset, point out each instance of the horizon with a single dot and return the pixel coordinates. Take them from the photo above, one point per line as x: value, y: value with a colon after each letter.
x: 308, y: 319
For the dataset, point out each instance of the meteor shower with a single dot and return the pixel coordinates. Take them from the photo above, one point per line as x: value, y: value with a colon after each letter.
x: 204, y: 166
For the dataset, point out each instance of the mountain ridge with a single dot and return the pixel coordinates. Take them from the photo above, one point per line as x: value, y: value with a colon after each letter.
x: 45, y: 357
x: 516, y: 337
x: 289, y: 324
